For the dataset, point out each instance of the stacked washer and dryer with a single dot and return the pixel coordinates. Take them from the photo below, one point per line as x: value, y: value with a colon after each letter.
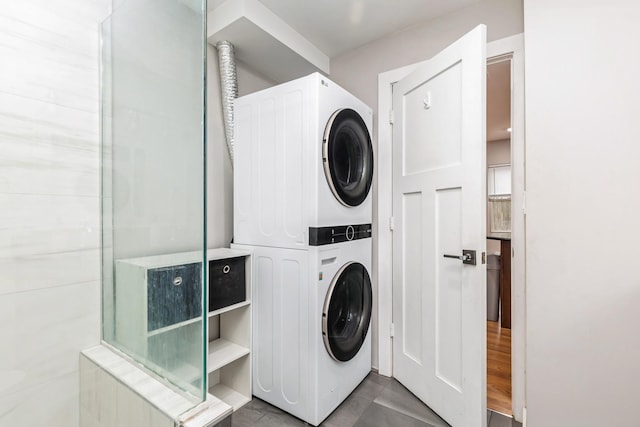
x: 302, y: 204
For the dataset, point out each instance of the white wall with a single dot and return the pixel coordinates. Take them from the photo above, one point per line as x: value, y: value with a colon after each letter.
x: 499, y: 152
x: 357, y: 71
x: 250, y: 80
x: 49, y: 257
x: 49, y: 202
x: 583, y: 285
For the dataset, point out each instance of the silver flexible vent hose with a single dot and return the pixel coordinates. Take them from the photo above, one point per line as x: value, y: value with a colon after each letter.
x: 229, y: 89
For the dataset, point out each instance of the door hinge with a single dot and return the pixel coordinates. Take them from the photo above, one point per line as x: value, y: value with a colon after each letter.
x: 391, y: 330
x: 484, y: 257
x: 524, y: 202
x: 391, y: 223
x: 391, y: 117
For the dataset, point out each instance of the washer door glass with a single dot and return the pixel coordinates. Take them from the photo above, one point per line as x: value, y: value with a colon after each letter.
x: 347, y: 312
x: 348, y: 157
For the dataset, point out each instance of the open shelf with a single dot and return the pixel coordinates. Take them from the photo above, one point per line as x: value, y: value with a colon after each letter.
x: 199, y: 318
x: 174, y: 326
x: 223, y: 352
x: 229, y: 396
x: 229, y: 357
x: 229, y: 308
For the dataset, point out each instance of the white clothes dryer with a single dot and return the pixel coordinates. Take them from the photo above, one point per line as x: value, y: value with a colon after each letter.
x: 311, y: 318
x: 303, y: 161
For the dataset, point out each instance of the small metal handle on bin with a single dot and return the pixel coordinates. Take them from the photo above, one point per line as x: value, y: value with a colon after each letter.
x: 226, y: 269
x: 177, y: 281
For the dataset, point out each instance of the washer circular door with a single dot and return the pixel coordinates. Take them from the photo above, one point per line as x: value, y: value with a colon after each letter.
x: 347, y: 312
x: 348, y: 157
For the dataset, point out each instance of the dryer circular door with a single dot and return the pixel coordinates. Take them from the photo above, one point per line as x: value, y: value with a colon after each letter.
x: 347, y: 312
x: 347, y: 156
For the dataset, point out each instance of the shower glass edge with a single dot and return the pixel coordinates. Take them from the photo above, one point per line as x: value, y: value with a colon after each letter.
x: 153, y: 189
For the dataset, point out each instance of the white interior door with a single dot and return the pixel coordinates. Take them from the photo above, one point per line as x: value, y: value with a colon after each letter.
x: 439, y: 180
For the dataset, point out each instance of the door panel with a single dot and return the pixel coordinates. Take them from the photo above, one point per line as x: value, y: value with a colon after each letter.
x: 439, y: 180
x: 442, y: 90
x: 448, y: 284
x: 413, y: 295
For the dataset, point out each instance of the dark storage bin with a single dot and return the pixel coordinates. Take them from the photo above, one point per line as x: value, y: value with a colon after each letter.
x: 227, y: 282
x: 173, y: 295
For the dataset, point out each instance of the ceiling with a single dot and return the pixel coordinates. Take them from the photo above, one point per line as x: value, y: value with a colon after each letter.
x: 338, y: 26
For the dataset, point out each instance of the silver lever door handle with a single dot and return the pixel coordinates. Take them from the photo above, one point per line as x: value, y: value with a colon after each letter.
x: 467, y: 257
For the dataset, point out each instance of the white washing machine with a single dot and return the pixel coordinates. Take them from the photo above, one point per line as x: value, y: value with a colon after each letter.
x: 311, y: 318
x: 303, y: 162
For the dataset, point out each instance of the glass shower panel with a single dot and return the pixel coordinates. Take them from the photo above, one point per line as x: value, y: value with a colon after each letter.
x: 153, y: 187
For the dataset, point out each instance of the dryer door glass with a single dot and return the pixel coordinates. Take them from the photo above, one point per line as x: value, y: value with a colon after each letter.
x: 347, y: 312
x: 348, y: 157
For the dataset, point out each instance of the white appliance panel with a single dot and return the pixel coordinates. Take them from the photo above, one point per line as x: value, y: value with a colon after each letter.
x: 281, y: 359
x: 292, y: 368
x: 280, y: 188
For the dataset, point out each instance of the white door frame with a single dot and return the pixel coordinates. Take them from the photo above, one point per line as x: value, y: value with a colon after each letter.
x: 383, y: 273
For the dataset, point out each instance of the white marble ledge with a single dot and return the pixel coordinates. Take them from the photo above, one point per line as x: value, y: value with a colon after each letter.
x: 171, y: 403
x: 207, y: 417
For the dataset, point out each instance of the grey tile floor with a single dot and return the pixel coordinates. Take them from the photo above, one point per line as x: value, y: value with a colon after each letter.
x: 377, y: 402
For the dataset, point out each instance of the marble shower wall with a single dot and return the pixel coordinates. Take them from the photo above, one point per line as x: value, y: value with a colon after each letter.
x: 49, y: 200
x: 49, y: 205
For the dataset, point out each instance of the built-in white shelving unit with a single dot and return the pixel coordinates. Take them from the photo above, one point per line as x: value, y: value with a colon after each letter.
x: 229, y: 344
x: 229, y: 357
x: 223, y: 352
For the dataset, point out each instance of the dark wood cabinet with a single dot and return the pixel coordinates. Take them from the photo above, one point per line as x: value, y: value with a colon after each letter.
x: 505, y: 279
x: 505, y: 283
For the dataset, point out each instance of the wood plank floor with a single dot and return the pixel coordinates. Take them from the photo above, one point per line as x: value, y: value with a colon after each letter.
x: 498, y: 368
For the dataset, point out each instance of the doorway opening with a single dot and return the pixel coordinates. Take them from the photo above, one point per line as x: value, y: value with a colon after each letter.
x: 509, y: 49
x: 499, y: 235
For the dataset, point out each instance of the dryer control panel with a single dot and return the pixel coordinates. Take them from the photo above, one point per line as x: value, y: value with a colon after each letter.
x: 319, y: 236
